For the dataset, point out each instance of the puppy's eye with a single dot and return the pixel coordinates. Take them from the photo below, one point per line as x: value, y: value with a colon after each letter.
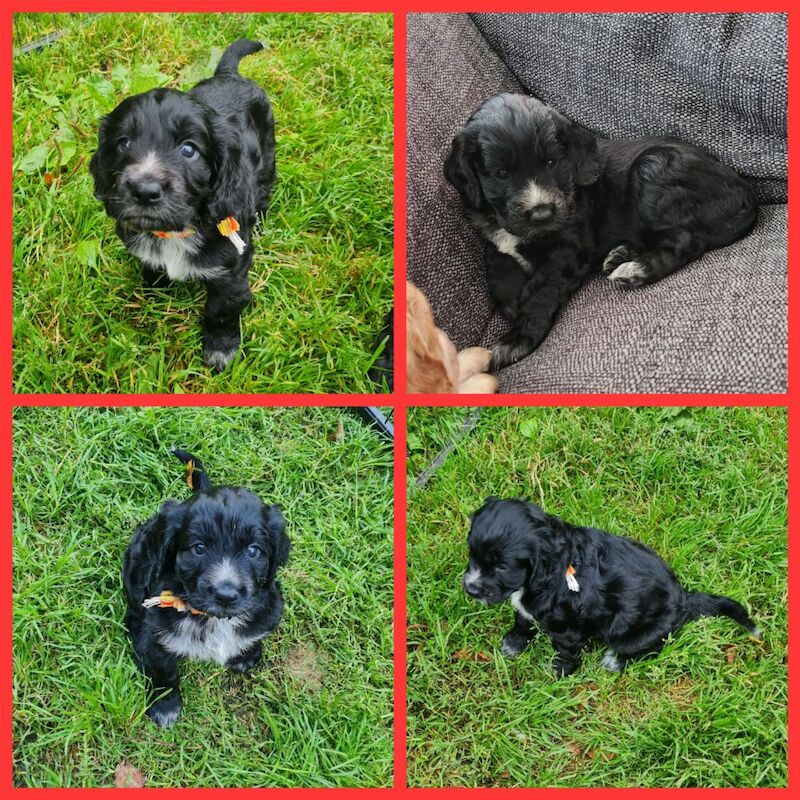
x: 189, y: 150
x: 199, y: 549
x: 501, y: 173
x: 253, y: 551
x: 550, y: 163
x: 123, y: 143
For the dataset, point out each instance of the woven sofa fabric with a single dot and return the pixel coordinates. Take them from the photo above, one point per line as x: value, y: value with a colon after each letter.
x: 451, y: 72
x: 717, y: 80
x: 717, y: 325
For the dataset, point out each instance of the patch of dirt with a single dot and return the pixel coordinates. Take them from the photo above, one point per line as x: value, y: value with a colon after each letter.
x: 304, y: 665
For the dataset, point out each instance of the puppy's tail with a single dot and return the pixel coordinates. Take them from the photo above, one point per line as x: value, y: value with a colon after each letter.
x: 700, y: 604
x: 195, y: 472
x: 229, y: 63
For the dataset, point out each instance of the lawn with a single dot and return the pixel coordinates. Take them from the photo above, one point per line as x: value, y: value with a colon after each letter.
x: 322, y: 276
x: 705, y: 487
x: 317, y: 713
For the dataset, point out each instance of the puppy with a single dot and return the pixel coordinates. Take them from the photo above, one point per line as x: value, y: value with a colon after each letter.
x: 579, y: 584
x: 172, y: 167
x: 432, y: 363
x: 200, y: 582
x: 556, y: 204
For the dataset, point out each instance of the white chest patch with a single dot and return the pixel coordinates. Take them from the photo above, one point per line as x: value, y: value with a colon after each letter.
x: 507, y: 243
x: 516, y: 601
x: 173, y: 256
x: 214, y: 639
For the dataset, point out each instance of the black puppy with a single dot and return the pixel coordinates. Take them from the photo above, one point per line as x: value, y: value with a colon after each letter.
x: 579, y: 584
x: 171, y: 167
x: 200, y: 581
x: 556, y: 204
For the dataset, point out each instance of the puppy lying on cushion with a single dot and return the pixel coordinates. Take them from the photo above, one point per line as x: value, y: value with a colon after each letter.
x: 432, y: 364
x: 200, y: 581
x: 577, y: 584
x: 556, y: 204
x: 184, y: 175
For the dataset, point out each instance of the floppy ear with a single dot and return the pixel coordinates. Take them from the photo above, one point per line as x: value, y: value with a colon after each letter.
x: 151, y: 554
x: 276, y: 538
x: 97, y: 166
x: 460, y: 170
x: 582, y: 153
x: 233, y: 189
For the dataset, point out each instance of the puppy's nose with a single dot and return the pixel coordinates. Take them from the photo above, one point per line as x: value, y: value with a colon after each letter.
x: 226, y: 594
x: 540, y: 213
x: 146, y: 191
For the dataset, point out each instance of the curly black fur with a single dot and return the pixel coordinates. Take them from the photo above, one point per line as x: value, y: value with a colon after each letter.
x: 556, y: 204
x: 219, y: 551
x: 627, y: 597
x: 171, y: 161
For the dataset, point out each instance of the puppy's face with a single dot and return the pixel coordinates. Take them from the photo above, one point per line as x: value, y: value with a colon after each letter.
x: 228, y: 550
x: 499, y: 552
x: 154, y: 163
x: 521, y: 161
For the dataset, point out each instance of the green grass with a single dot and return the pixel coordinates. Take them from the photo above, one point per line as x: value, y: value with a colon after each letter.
x: 706, y: 488
x: 322, y: 276
x: 317, y: 713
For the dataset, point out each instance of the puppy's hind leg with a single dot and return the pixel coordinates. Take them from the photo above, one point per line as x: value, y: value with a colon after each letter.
x: 517, y: 639
x: 671, y: 252
x: 246, y: 660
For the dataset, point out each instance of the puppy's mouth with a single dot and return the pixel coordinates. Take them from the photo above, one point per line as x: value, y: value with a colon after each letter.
x: 135, y: 219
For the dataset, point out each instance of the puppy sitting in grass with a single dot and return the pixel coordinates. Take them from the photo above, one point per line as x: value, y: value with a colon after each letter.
x: 200, y: 582
x: 577, y: 584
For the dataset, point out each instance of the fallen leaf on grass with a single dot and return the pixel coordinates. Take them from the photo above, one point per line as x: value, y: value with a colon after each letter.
x: 126, y: 776
x: 468, y: 655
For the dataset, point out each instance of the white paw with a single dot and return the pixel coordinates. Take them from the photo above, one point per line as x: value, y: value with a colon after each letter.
x: 631, y: 273
x: 165, y: 718
x: 613, y: 254
x: 219, y: 359
x: 611, y: 662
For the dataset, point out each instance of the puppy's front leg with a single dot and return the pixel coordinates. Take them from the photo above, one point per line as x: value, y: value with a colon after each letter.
x: 161, y: 670
x: 550, y: 287
x: 517, y: 639
x: 226, y: 298
x: 568, y: 646
x: 246, y: 660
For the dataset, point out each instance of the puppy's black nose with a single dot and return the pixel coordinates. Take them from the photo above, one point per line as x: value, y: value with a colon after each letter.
x: 146, y: 191
x: 540, y: 213
x: 226, y: 594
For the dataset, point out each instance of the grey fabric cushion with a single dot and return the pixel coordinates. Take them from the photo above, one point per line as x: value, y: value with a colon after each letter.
x: 719, y: 325
x: 717, y: 80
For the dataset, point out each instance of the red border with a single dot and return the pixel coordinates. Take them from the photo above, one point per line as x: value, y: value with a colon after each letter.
x: 399, y: 400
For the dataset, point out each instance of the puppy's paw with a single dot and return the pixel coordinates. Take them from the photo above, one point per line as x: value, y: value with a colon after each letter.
x: 513, y: 644
x: 629, y: 274
x: 509, y: 350
x: 472, y: 361
x: 218, y: 359
x: 244, y: 662
x: 612, y: 662
x: 619, y: 255
x: 166, y: 711
x: 563, y: 667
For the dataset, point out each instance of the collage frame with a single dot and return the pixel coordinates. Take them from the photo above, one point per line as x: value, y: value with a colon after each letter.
x: 399, y: 400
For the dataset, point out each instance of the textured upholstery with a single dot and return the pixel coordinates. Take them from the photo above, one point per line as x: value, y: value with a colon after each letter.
x: 718, y: 325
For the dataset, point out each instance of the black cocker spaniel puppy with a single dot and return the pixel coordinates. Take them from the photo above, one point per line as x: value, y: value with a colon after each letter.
x: 556, y: 204
x: 185, y: 175
x: 580, y: 584
x: 200, y: 582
